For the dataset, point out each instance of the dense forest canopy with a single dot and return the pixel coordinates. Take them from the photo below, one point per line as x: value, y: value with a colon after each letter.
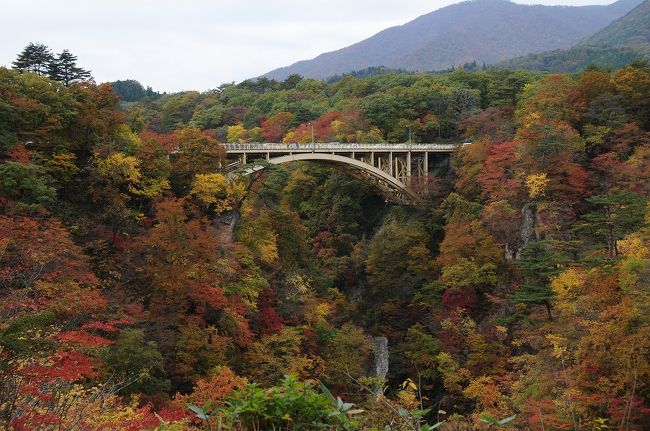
x: 515, y: 296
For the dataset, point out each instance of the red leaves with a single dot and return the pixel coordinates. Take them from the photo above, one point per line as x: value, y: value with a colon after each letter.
x: 275, y: 127
x: 331, y: 126
x: 211, y: 296
x: 72, y: 366
x: 499, y: 178
x: 543, y: 413
x: 569, y: 182
x: 35, y: 421
x: 40, y: 249
x: 64, y: 365
x: 18, y: 154
x: 83, y: 339
x: 460, y: 297
x: 270, y: 321
x: 213, y: 389
x: 146, y: 418
x: 109, y: 326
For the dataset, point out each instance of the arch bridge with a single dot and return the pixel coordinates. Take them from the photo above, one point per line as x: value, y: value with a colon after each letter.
x: 392, y: 168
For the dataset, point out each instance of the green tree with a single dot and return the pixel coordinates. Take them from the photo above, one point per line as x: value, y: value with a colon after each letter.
x: 540, y: 261
x: 35, y: 58
x: 398, y: 258
x: 614, y: 216
x: 26, y: 184
x: 346, y: 354
x: 421, y: 349
x: 137, y: 363
x: 198, y: 153
x: 64, y: 69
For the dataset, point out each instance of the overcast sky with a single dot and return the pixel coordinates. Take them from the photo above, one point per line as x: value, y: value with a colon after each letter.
x: 200, y: 44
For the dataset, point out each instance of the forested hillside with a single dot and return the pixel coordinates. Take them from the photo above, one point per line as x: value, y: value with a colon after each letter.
x: 514, y: 296
x: 484, y: 31
x: 622, y: 42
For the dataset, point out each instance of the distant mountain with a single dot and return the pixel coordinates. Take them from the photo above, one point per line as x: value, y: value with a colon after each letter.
x: 485, y: 31
x: 623, y: 41
x: 632, y: 29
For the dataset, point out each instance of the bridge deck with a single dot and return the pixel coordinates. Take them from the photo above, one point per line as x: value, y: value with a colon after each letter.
x: 337, y: 147
x: 389, y: 167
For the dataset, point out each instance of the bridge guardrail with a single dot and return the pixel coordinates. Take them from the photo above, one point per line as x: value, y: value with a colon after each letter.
x: 337, y: 146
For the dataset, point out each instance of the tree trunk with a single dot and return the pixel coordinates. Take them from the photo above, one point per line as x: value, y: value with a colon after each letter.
x: 548, y: 310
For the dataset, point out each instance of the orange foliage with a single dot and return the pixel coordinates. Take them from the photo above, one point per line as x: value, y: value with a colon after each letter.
x: 499, y: 178
x: 214, y: 389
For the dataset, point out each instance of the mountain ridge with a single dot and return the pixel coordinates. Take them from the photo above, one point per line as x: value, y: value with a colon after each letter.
x: 482, y: 30
x: 621, y: 42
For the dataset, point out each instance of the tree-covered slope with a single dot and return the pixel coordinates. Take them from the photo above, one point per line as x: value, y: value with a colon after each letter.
x: 515, y: 293
x: 623, y: 41
x: 632, y: 29
x: 486, y: 31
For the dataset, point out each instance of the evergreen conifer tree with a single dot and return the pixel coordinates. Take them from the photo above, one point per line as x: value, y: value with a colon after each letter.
x: 64, y: 69
x: 34, y: 58
x: 540, y: 261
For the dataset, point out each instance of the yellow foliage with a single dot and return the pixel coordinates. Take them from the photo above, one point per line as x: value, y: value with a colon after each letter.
x: 236, y: 133
x: 452, y: 374
x: 466, y: 272
x: 485, y: 391
x: 634, y: 245
x: 206, y: 187
x: 531, y: 117
x: 120, y: 167
x: 537, y: 184
x: 126, y: 140
x: 408, y: 396
x: 268, y: 248
x: 214, y: 190
x: 567, y: 286
x: 62, y: 165
x: 99, y: 418
x: 559, y: 344
x: 153, y: 188
x: 124, y: 171
x: 336, y: 126
x: 317, y: 314
x: 235, y: 192
x: 297, y: 287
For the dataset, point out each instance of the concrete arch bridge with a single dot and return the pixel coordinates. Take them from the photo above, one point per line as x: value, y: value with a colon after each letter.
x: 391, y: 168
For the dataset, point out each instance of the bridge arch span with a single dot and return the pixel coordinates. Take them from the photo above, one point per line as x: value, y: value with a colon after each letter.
x: 390, y: 187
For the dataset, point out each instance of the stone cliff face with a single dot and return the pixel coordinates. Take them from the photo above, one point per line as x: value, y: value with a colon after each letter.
x: 381, y: 360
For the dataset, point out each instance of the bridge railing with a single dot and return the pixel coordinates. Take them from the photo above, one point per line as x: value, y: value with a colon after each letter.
x: 338, y: 146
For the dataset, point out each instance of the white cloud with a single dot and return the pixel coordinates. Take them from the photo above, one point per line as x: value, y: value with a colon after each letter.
x: 199, y: 44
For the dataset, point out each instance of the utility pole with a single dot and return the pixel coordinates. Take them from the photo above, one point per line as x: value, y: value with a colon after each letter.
x: 313, y: 143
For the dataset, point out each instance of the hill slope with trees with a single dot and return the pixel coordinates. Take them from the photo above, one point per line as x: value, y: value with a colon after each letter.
x: 514, y: 296
x: 625, y: 40
x: 485, y: 31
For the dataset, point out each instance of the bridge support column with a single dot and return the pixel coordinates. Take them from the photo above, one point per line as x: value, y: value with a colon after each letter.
x: 390, y: 164
x: 372, y: 158
x: 408, y: 166
x: 268, y: 156
x: 426, y: 163
x: 243, y: 159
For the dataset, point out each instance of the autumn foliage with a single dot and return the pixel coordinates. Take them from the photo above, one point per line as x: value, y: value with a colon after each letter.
x: 137, y: 277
